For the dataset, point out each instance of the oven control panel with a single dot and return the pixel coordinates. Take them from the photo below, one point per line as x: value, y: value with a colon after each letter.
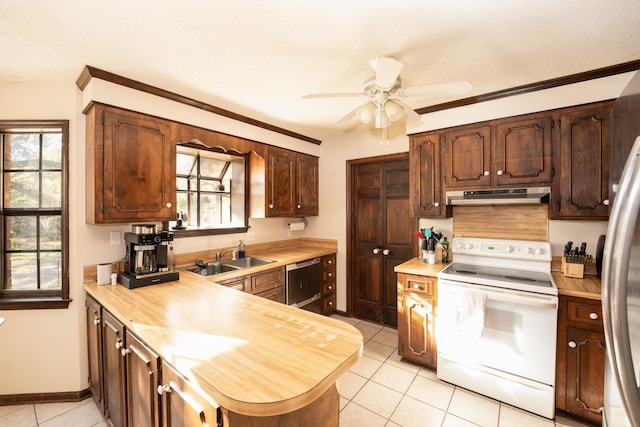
x: 513, y: 249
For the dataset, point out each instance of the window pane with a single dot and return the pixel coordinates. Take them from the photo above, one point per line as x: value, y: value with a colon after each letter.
x: 22, y: 151
x: 21, y: 233
x: 50, y: 270
x: 185, y: 164
x: 51, y: 190
x: 209, y: 185
x: 22, y: 271
x: 181, y: 183
x: 225, y: 200
x: 50, y: 232
x: 21, y: 190
x: 210, y: 210
x: 211, y: 168
x: 52, y: 151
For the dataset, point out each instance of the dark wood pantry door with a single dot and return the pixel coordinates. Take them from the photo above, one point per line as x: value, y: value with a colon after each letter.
x: 379, y: 234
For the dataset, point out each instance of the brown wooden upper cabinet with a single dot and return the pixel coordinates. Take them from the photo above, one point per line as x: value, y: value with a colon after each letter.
x: 291, y: 184
x: 130, y: 167
x: 508, y: 152
x: 567, y: 148
x: 581, y: 159
x: 426, y: 195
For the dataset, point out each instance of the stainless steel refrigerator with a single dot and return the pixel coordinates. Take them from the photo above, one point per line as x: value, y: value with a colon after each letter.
x: 621, y: 265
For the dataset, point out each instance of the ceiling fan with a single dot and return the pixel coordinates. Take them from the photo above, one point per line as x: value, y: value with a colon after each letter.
x: 384, y: 88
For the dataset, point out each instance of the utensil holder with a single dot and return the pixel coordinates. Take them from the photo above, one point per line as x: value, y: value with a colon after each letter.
x: 572, y: 269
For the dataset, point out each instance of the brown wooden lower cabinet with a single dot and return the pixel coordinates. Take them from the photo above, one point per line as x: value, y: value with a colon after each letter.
x: 113, y: 341
x: 580, y: 359
x: 142, y: 368
x: 328, y: 283
x: 417, y: 296
x: 182, y: 405
x: 94, y: 349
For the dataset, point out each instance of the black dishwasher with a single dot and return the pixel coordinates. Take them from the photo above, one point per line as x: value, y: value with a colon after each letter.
x: 303, y: 282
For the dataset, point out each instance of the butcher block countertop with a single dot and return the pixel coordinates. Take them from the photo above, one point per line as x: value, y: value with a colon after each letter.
x: 587, y: 287
x: 251, y: 355
x: 416, y: 266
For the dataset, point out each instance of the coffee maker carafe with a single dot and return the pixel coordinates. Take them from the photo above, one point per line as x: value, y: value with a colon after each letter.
x: 148, y: 258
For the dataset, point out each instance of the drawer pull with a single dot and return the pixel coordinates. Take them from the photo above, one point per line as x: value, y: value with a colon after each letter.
x: 593, y: 316
x: 329, y: 287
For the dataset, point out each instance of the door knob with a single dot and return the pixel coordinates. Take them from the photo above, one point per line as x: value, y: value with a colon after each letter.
x: 499, y: 172
x: 376, y: 251
x: 386, y: 252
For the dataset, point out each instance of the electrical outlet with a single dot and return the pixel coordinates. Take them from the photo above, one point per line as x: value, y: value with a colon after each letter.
x: 116, y: 238
x: 251, y: 235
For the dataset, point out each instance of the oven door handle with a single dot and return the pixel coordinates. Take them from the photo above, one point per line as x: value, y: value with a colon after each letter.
x: 509, y: 296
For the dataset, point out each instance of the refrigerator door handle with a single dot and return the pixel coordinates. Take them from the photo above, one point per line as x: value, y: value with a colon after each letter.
x: 622, y: 220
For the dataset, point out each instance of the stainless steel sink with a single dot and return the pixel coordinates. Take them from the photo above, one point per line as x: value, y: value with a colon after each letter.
x: 247, y: 262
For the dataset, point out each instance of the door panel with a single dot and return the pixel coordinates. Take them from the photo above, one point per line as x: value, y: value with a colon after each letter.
x: 381, y: 235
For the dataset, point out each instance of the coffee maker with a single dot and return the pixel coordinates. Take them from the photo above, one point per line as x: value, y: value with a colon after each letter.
x: 148, y: 257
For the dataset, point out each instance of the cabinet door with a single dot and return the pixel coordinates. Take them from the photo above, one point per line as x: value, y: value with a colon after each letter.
x: 416, y: 325
x: 522, y: 151
x: 306, y: 185
x: 113, y: 341
x: 267, y: 280
x: 142, y: 383
x: 280, y: 182
x: 182, y: 405
x: 134, y: 170
x: 581, y: 189
x: 425, y: 187
x: 94, y: 349
x: 468, y: 157
x: 585, y: 373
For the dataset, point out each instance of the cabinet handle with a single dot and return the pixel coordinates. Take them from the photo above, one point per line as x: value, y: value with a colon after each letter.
x: 572, y: 344
x: 499, y: 172
x: 593, y: 316
x: 169, y: 205
x: 416, y: 286
x: 118, y: 343
x: 436, y: 204
x: 330, y: 275
x: 330, y: 261
x: 125, y: 351
x: 486, y: 173
x: 271, y: 206
x: 606, y: 202
x: 96, y: 320
x: 329, y: 287
x: 386, y: 252
x: 299, y: 206
x: 164, y: 389
x: 330, y: 303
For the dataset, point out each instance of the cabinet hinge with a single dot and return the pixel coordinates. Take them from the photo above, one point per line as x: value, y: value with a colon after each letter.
x: 102, y: 208
x: 553, y: 172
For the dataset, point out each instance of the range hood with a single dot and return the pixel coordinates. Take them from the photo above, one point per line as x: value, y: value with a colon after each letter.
x: 502, y: 196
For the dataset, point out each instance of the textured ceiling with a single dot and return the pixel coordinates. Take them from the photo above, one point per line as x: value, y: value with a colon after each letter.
x: 258, y: 58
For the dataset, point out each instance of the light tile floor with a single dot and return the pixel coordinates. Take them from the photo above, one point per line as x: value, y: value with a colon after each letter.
x: 380, y: 390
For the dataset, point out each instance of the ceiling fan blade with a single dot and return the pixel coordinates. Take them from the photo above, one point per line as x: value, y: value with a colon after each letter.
x: 412, y: 116
x: 438, y: 89
x: 387, y: 71
x: 333, y: 95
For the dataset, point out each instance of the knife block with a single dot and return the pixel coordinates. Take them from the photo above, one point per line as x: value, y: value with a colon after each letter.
x: 574, y: 270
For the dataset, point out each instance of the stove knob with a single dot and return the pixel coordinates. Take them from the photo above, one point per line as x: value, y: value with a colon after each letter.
x: 508, y: 249
x: 539, y: 251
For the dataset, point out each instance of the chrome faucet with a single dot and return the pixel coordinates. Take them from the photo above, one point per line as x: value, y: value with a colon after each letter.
x: 221, y: 253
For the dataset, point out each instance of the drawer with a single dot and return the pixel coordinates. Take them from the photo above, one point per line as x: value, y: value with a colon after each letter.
x: 423, y: 284
x: 267, y: 280
x: 329, y: 304
x: 329, y: 261
x: 328, y: 288
x: 239, y: 283
x: 329, y: 275
x: 275, y: 294
x: 585, y: 313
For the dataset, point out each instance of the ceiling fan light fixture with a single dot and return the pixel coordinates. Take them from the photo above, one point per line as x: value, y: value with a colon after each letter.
x: 366, y: 112
x: 394, y: 110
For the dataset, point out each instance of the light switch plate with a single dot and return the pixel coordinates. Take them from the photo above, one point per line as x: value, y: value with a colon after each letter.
x: 116, y: 238
x: 251, y: 235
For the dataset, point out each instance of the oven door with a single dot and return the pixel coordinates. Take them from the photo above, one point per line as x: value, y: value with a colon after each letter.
x: 502, y: 329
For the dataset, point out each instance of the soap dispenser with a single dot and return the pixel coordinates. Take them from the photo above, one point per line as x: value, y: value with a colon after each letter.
x: 241, y: 249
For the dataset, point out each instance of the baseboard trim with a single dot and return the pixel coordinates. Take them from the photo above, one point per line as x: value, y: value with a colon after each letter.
x: 24, y: 399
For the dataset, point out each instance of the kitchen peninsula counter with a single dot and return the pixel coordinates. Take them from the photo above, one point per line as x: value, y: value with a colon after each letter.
x: 250, y: 355
x: 416, y: 266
